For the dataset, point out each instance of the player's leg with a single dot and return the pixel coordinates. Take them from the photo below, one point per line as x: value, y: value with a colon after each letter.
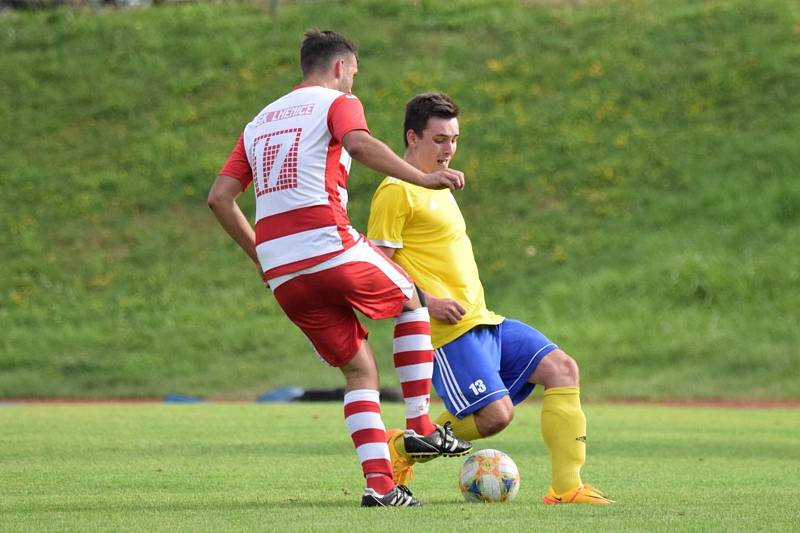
x: 563, y: 423
x: 487, y: 418
x: 526, y: 358
x: 380, y: 289
x: 485, y: 422
x: 340, y: 340
x: 412, y: 354
x: 467, y: 378
x: 363, y: 418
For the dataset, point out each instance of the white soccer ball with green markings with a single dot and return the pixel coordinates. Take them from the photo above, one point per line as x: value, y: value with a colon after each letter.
x: 489, y: 476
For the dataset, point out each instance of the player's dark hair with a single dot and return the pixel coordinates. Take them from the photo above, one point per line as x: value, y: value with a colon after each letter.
x: 320, y: 47
x: 424, y: 106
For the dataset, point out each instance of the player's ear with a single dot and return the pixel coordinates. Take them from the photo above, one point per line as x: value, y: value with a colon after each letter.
x: 411, y: 138
x: 338, y: 68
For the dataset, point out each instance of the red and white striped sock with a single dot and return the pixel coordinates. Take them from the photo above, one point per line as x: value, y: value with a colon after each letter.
x: 413, y: 360
x: 362, y: 414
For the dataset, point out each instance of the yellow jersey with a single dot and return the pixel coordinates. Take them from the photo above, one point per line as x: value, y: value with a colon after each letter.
x: 429, y: 235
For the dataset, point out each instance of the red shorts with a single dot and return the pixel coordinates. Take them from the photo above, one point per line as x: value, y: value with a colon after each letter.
x: 321, y: 299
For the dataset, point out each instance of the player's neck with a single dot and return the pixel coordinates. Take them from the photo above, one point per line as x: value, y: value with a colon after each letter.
x: 320, y: 81
x: 412, y: 160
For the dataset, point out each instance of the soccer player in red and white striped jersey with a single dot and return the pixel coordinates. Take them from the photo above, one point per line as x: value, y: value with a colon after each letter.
x: 297, y: 153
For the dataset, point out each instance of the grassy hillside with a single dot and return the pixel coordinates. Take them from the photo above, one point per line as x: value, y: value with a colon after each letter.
x: 634, y: 187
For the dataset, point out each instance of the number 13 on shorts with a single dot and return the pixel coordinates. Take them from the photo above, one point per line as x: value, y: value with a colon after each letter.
x: 477, y: 387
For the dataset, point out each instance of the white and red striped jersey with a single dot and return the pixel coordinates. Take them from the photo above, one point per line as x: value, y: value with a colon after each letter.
x: 292, y: 153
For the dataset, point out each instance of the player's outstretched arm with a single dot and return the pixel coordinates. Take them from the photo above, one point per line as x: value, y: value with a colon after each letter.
x: 374, y: 154
x: 222, y: 201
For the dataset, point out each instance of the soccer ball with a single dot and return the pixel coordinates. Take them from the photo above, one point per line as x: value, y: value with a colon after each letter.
x: 489, y: 476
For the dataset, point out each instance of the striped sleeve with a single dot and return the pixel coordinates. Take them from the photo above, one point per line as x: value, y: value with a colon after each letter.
x: 345, y: 115
x: 237, y: 166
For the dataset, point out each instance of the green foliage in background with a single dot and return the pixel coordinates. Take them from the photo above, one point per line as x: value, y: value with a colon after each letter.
x: 227, y: 467
x: 634, y: 187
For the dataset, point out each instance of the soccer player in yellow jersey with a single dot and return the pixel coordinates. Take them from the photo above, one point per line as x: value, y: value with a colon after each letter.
x: 484, y: 363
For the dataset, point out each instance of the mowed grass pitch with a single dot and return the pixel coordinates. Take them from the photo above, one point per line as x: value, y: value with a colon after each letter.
x: 269, y: 467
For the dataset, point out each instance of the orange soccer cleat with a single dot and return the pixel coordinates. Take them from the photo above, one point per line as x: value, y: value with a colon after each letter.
x: 584, y: 493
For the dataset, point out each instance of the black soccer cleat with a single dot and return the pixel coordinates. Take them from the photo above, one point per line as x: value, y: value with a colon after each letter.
x: 440, y: 442
x: 399, y: 496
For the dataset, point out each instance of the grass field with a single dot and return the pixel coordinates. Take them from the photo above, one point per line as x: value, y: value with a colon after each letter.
x: 634, y: 187
x: 279, y: 467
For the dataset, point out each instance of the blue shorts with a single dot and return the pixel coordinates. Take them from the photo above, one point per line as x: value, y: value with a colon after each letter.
x: 487, y: 363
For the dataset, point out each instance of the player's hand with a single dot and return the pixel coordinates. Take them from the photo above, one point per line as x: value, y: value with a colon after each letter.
x: 445, y: 310
x: 444, y: 179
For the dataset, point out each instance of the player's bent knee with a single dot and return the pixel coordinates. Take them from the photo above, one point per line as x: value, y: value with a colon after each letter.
x: 557, y: 369
x: 495, y: 417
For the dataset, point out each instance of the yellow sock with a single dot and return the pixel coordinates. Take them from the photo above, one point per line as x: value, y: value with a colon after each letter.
x: 463, y: 428
x: 564, y: 431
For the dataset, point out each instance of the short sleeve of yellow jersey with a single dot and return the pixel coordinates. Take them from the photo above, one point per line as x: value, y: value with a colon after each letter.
x: 390, y: 208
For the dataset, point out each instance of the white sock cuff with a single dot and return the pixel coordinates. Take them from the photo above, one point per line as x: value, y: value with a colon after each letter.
x: 362, y: 395
x: 417, y: 315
